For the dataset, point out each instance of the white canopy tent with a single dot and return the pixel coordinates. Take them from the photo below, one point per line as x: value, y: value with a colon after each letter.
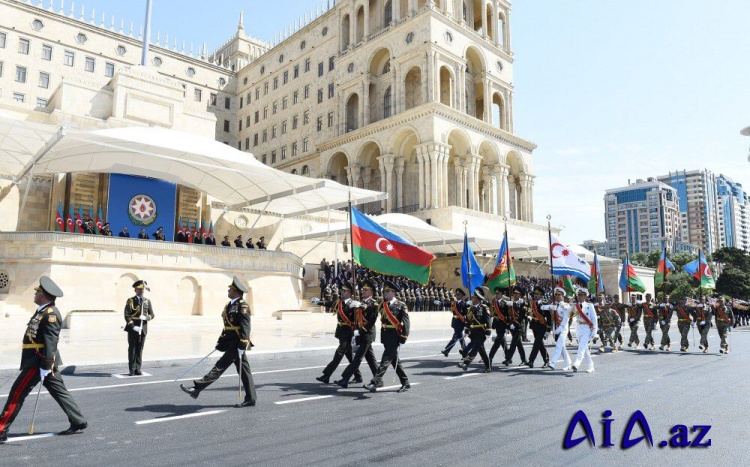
x: 234, y: 177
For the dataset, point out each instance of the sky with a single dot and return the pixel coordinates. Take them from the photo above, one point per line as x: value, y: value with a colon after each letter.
x: 610, y: 91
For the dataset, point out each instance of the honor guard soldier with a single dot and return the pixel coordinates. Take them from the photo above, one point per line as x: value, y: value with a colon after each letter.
x: 365, y: 319
x: 560, y: 314
x: 665, y: 318
x: 458, y: 323
x: 634, y: 317
x: 40, y: 361
x: 703, y: 318
x: 345, y: 311
x: 608, y: 322
x: 650, y: 318
x: 479, y: 323
x: 586, y: 327
x: 541, y: 325
x: 517, y: 314
x: 234, y: 341
x: 599, y: 305
x: 394, y: 330
x: 684, y: 320
x: 621, y: 309
x: 138, y: 312
x: 500, y: 322
x: 724, y: 322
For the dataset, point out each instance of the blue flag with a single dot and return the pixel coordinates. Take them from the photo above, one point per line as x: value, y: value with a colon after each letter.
x: 471, y: 274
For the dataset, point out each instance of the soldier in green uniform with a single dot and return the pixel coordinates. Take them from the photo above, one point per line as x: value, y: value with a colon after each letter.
x: 345, y: 311
x: 394, y: 330
x: 724, y: 322
x: 684, y: 312
x: 541, y: 326
x: 665, y: 318
x: 650, y: 319
x: 365, y: 319
x: 703, y: 318
x: 608, y: 321
x: 500, y: 322
x: 621, y: 310
x: 40, y: 361
x: 517, y: 314
x: 138, y: 312
x: 234, y: 341
x: 634, y: 317
x: 478, y: 322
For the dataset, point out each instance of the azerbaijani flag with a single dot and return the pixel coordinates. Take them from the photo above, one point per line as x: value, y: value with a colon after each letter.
x: 79, y: 219
x: 595, y: 282
x: 566, y: 283
x: 204, y: 233
x: 188, y: 233
x: 211, y: 228
x: 700, y: 270
x: 197, y: 234
x: 91, y: 216
x: 59, y: 222
x: 629, y: 280
x: 381, y: 250
x: 71, y: 220
x: 99, y: 224
x: 504, y: 274
x: 179, y: 226
x: 663, y: 270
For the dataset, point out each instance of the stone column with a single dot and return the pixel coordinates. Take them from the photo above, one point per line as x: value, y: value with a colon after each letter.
x: 493, y: 195
x: 421, y: 171
x: 352, y: 27
x: 509, y: 112
x: 487, y: 100
x: 388, y: 160
x: 485, y: 193
x: 399, y: 202
x: 461, y: 88
x: 512, y: 195
x: 396, y: 13
x: 383, y: 182
x: 501, y: 175
x: 356, y: 171
x: 436, y: 182
x: 366, y: 100
x: 446, y: 171
x: 484, y: 21
x: 395, y: 90
x: 362, y: 106
x: 496, y: 22
x: 507, y: 31
x: 366, y: 177
x: 476, y: 161
x: 366, y: 32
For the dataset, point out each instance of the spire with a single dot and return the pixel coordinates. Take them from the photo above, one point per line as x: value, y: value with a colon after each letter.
x: 241, y: 26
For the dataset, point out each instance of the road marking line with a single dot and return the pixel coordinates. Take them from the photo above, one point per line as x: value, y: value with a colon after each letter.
x: 177, y: 417
x: 123, y: 376
x: 395, y: 386
x: 292, y: 401
x: 463, y: 376
x: 30, y: 437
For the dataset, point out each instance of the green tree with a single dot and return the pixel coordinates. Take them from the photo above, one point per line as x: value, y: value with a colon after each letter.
x: 653, y: 258
x: 735, y: 283
x: 682, y: 258
x: 732, y: 257
x: 638, y: 259
x: 679, y: 285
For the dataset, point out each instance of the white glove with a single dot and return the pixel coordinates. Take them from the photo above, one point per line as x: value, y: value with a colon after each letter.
x: 137, y: 328
x: 662, y: 322
x: 355, y: 304
x: 508, y: 302
x: 143, y: 317
x: 495, y: 337
x: 703, y: 323
x: 692, y: 324
x: 240, y: 352
x: 632, y: 319
x: 356, y: 333
x: 315, y: 300
x: 512, y: 326
x: 43, y: 373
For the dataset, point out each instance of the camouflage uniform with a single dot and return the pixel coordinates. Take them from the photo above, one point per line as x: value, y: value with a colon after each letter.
x: 724, y: 321
x: 634, y: 316
x: 620, y: 309
x: 649, y: 322
x: 702, y: 316
x: 608, y: 321
x: 684, y: 313
x: 665, y: 318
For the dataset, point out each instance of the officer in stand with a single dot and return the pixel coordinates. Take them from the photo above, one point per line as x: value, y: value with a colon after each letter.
x: 345, y: 314
x: 541, y: 326
x: 142, y: 234
x: 225, y: 242
x: 458, y: 322
x: 394, y: 330
x: 159, y: 235
x: 365, y: 319
x: 124, y: 233
x: 138, y: 312
x: 234, y: 342
x: 40, y: 360
x: 478, y: 321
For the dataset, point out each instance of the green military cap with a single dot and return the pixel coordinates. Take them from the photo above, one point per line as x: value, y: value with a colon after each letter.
x: 391, y: 286
x: 346, y: 287
x: 238, y: 285
x: 49, y: 287
x: 140, y: 285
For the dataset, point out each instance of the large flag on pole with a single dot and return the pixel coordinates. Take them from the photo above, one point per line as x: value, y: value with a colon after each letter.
x: 595, y: 283
x: 471, y: 273
x: 504, y: 275
x: 99, y: 220
x: 565, y: 262
x: 567, y: 284
x: 188, y: 232
x: 79, y: 219
x: 59, y: 221
x: 383, y: 251
x: 700, y: 270
x: 629, y: 280
x: 70, y: 224
x: 663, y: 269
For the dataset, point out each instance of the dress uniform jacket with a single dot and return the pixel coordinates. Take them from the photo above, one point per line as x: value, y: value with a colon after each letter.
x: 236, y: 333
x: 133, y: 311
x: 40, y: 340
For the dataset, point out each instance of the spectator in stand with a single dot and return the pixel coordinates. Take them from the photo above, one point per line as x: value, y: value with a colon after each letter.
x: 225, y: 242
x: 238, y: 242
x: 124, y: 233
x: 88, y: 227
x: 198, y: 239
x: 211, y: 240
x: 106, y: 230
x: 180, y: 237
x: 261, y: 244
x: 143, y: 234
x: 249, y: 243
x: 159, y: 234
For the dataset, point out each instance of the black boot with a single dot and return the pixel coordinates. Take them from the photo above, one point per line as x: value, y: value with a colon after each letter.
x: 192, y: 391
x: 74, y: 429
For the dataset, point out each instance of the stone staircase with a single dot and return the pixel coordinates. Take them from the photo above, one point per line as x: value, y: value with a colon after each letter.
x: 306, y: 304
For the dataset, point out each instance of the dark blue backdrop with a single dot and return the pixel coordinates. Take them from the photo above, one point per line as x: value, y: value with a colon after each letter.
x: 122, y: 188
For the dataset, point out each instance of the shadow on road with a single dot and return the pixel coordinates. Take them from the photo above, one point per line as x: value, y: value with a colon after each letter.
x: 171, y: 410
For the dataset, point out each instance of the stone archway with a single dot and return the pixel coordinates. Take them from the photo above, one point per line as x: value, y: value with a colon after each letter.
x: 337, y: 168
x: 370, y: 174
x: 459, y: 168
x: 188, y: 298
x: 474, y: 90
x: 413, y: 88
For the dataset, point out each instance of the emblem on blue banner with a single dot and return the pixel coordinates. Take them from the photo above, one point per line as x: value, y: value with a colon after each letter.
x: 142, y: 210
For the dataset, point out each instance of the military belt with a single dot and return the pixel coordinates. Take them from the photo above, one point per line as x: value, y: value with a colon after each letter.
x: 388, y: 326
x: 231, y: 328
x: 32, y: 346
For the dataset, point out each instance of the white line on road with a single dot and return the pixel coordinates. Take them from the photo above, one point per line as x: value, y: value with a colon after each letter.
x: 122, y: 376
x: 177, y: 417
x: 463, y: 375
x: 292, y: 401
x: 30, y: 437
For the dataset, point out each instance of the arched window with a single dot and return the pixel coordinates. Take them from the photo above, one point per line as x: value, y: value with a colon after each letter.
x: 387, y: 103
x: 294, y: 171
x: 388, y: 13
x: 305, y: 170
x: 387, y: 67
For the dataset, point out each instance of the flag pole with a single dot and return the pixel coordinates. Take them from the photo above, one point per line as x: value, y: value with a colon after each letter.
x: 466, y: 256
x: 351, y: 246
x: 700, y: 277
x: 549, y: 238
x: 507, y: 257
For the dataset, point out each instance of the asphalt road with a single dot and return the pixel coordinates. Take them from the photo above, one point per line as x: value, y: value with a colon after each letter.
x: 515, y: 416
